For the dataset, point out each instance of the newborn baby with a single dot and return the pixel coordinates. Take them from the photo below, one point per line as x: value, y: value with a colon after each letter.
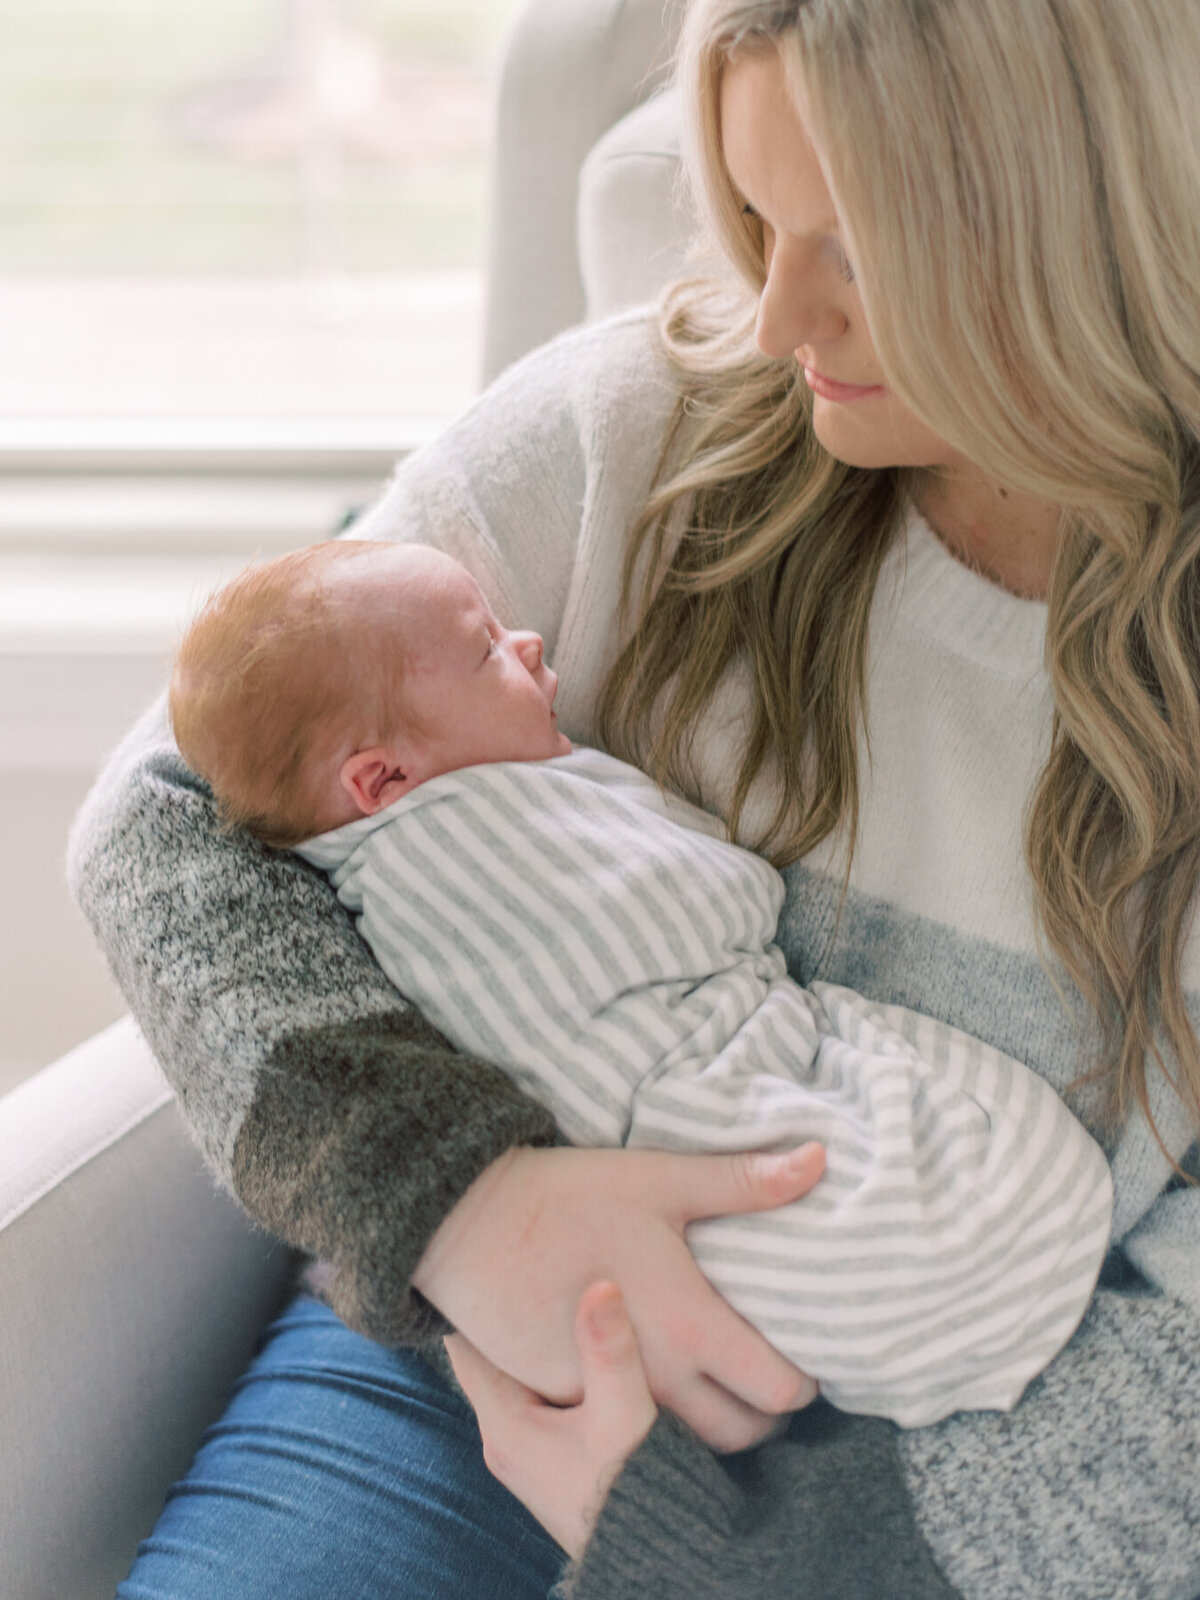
x: 553, y: 911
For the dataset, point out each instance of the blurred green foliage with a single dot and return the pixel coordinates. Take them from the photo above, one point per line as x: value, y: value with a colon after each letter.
x: 108, y: 164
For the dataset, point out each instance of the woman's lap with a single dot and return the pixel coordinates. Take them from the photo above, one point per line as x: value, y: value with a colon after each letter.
x: 341, y: 1468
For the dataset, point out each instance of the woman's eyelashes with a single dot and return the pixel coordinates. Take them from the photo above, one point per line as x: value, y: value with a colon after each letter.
x: 845, y: 270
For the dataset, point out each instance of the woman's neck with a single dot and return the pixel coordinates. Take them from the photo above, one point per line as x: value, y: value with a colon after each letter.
x: 1008, y: 537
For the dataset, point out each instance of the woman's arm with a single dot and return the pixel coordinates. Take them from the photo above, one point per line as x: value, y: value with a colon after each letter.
x: 1088, y: 1490
x: 338, y: 1116
x: 341, y: 1120
x: 348, y: 1126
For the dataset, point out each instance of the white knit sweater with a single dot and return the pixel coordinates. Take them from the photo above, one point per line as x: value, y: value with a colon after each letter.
x: 535, y: 490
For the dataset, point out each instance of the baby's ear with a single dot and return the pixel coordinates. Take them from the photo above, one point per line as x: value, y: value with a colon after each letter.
x: 373, y: 779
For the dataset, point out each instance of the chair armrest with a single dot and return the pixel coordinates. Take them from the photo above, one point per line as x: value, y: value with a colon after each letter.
x: 572, y: 69
x: 132, y: 1291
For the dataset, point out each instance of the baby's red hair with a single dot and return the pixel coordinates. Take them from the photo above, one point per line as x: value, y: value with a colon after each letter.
x: 270, y: 676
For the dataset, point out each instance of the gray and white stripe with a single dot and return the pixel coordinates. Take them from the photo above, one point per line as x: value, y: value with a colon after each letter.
x: 559, y: 919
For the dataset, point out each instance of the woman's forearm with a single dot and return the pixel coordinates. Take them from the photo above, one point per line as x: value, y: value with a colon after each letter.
x: 1089, y: 1488
x: 338, y: 1116
x: 819, y: 1514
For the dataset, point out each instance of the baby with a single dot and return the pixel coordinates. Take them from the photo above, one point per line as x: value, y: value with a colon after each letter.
x: 553, y: 911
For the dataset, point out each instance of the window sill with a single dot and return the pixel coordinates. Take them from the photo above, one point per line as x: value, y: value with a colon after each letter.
x: 100, y: 570
x: 155, y: 435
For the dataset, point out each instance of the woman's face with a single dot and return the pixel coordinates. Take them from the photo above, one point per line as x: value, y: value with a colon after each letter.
x: 810, y: 306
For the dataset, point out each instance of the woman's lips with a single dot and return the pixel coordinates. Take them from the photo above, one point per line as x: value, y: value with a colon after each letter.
x: 829, y: 390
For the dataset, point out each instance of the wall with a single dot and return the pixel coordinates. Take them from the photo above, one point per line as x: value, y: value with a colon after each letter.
x: 56, y: 985
x: 102, y: 560
x: 85, y: 644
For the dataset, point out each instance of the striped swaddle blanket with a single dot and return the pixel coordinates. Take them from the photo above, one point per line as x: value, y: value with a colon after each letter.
x: 613, y: 953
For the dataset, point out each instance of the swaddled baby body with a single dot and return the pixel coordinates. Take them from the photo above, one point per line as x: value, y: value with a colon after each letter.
x: 554, y: 911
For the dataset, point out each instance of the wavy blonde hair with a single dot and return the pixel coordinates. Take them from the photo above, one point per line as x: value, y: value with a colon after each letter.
x: 1037, y: 227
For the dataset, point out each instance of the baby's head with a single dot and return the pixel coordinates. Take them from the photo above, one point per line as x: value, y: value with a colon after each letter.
x: 325, y: 685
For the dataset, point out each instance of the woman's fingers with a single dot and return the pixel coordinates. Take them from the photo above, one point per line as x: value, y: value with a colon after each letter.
x: 741, y: 1360
x: 615, y: 1383
x: 749, y: 1180
x: 561, y: 1461
x: 710, y: 1366
x: 509, y: 1416
x: 735, y: 1379
x: 614, y: 1380
x: 707, y: 1364
x: 501, y: 1403
x: 725, y: 1423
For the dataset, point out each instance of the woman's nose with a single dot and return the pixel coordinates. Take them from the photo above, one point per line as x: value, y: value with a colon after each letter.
x: 798, y: 305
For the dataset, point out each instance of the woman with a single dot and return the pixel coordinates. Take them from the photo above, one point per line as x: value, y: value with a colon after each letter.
x: 913, y: 581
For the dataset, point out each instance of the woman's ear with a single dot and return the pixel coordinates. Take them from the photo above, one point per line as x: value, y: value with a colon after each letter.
x: 374, y: 779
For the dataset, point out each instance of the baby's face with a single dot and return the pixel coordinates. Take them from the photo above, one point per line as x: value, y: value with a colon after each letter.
x: 480, y: 692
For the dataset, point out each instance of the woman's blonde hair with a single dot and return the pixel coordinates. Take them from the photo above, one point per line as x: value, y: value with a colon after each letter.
x: 1019, y: 185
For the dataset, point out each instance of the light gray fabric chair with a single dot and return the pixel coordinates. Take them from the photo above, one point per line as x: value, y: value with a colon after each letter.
x: 574, y: 157
x: 131, y: 1293
x: 131, y: 1290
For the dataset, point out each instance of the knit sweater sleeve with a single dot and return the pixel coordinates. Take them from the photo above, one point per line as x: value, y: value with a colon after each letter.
x: 341, y: 1119
x: 1090, y: 1488
x: 819, y: 1514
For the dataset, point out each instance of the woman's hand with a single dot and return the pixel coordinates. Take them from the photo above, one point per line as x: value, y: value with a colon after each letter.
x: 510, y: 1263
x: 561, y: 1463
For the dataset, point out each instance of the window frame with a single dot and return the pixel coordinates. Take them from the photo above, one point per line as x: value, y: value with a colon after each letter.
x: 214, y: 495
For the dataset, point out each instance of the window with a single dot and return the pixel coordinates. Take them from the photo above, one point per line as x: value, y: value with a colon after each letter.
x: 240, y: 271
x: 254, y: 208
x: 241, y: 249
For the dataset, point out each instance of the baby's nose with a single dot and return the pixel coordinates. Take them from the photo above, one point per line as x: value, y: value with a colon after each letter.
x: 532, y: 650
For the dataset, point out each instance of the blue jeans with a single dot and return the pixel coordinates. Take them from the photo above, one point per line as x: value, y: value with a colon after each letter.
x: 341, y: 1469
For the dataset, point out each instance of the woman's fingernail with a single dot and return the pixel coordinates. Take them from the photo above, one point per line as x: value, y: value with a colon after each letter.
x: 608, y: 1317
x: 802, y: 1157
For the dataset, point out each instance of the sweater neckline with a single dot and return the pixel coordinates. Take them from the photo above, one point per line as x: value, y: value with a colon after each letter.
x: 967, y: 613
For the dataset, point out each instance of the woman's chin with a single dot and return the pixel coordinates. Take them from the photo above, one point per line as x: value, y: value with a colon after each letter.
x: 855, y: 448
x: 861, y: 434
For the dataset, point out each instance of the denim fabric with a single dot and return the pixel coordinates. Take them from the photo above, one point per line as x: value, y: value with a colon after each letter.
x: 341, y: 1469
